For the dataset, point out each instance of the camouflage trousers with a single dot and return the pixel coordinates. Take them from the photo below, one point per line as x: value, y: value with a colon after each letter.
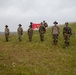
x: 20, y: 37
x: 55, y: 38
x: 6, y: 36
x: 30, y: 37
x: 42, y: 37
x: 67, y: 39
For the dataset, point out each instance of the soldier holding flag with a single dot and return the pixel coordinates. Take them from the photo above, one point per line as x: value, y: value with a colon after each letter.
x: 30, y: 32
x: 45, y: 24
x: 42, y: 31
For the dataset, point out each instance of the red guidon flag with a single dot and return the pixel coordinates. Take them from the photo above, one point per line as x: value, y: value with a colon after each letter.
x: 34, y: 26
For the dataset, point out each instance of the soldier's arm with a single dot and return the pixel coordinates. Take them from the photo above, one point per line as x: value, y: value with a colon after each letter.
x: 46, y: 25
x: 22, y: 30
x: 44, y: 28
x: 8, y: 31
x: 70, y: 31
x: 5, y: 30
x: 32, y: 31
x: 28, y: 31
x: 63, y: 30
x: 17, y: 30
x: 39, y: 29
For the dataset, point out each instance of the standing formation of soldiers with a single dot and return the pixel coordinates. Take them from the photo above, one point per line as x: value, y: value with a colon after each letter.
x: 67, y: 32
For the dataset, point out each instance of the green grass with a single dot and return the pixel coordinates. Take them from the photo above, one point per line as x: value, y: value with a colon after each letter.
x: 36, y: 57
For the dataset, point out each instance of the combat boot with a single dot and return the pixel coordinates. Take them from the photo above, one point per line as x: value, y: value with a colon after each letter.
x: 67, y: 43
x: 6, y: 39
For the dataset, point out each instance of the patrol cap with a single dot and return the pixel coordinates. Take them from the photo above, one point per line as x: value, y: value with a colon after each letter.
x: 30, y: 22
x: 19, y: 25
x: 66, y: 23
x: 55, y: 22
x: 43, y: 20
x: 6, y: 25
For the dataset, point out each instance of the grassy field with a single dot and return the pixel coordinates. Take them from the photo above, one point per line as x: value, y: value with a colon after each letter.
x: 36, y: 57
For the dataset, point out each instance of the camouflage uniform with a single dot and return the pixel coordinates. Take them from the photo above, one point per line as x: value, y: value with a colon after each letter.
x: 7, y: 33
x: 55, y: 32
x: 42, y: 31
x: 30, y: 32
x: 20, y: 32
x: 45, y: 24
x: 67, y: 32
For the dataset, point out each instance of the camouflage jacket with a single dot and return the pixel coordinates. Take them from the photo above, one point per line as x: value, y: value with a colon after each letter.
x: 55, y: 30
x: 30, y: 31
x: 67, y: 30
x: 42, y: 29
x: 7, y: 31
x: 45, y: 24
x: 20, y: 31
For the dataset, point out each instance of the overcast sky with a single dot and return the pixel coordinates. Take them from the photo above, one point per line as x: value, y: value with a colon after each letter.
x: 14, y: 12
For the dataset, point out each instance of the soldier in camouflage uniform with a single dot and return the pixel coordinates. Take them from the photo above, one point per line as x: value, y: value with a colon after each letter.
x: 55, y: 32
x: 7, y: 32
x: 67, y: 32
x: 45, y: 24
x: 30, y: 32
x: 20, y: 32
x: 42, y: 31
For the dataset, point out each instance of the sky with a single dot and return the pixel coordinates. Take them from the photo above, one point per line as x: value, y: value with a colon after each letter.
x: 15, y: 12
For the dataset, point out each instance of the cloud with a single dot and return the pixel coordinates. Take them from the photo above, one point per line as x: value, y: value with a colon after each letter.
x: 13, y: 12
